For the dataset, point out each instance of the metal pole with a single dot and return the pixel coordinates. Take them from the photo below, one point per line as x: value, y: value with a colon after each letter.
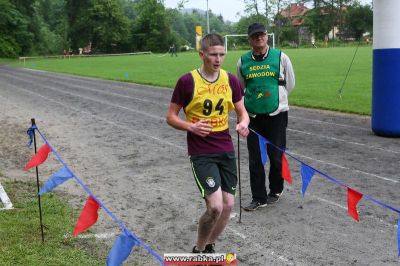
x: 208, y: 21
x: 37, y: 182
x: 226, y: 44
x: 240, y: 185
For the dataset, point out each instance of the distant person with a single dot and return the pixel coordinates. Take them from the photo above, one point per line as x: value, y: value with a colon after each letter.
x: 80, y: 51
x: 313, y: 41
x: 209, y: 142
x: 313, y: 44
x: 65, y: 53
x: 268, y: 78
x: 172, y: 50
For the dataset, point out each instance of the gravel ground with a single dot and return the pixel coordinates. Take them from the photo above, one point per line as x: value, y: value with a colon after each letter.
x: 114, y: 137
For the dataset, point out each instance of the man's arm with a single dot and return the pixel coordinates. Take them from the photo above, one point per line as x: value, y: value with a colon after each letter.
x: 243, y: 119
x: 239, y: 73
x: 288, y: 72
x: 201, y: 128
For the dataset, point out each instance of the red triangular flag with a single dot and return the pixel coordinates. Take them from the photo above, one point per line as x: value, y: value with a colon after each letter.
x: 88, y: 216
x: 285, y: 169
x: 353, y: 197
x: 39, y: 157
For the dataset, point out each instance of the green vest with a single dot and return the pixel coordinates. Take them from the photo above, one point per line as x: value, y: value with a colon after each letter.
x: 261, y: 79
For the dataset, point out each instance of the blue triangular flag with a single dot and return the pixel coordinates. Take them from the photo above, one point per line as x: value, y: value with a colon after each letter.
x: 30, y: 133
x: 57, y: 179
x: 263, y: 149
x: 121, y: 249
x: 398, y: 235
x: 306, y: 174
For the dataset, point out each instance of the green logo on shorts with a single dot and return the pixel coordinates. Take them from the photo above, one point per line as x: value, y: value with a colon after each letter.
x: 210, y: 182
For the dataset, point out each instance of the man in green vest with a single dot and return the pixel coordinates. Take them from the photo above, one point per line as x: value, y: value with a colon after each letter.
x: 268, y: 78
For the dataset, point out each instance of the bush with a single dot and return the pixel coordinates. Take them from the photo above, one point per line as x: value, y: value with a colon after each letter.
x: 8, y: 47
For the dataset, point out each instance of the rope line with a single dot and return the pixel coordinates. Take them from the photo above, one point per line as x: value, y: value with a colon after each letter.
x: 334, y: 180
x: 122, y: 225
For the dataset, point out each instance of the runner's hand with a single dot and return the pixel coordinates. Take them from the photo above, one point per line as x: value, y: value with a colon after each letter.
x: 201, y: 128
x: 242, y: 129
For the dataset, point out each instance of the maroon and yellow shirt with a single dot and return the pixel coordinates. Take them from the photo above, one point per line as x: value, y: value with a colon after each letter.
x: 202, y: 99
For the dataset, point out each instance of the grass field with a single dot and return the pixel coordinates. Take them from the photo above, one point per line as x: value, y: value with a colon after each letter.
x: 319, y: 73
x: 6, y: 61
x: 20, y: 235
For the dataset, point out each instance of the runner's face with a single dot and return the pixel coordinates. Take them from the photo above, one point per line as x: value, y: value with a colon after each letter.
x: 213, y: 58
x: 258, y: 40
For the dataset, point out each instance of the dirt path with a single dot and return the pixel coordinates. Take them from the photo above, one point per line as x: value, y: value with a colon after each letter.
x: 114, y: 137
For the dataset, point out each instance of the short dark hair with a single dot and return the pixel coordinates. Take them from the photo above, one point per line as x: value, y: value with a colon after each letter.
x: 211, y: 39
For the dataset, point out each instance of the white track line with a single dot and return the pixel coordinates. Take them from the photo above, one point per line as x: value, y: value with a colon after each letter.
x: 346, y: 168
x: 100, y: 118
x: 261, y: 248
x: 89, y: 80
x: 342, y: 140
x: 162, y: 118
x: 98, y: 236
x: 237, y: 233
x: 174, y: 145
x: 294, y: 130
x: 345, y: 208
x: 93, y: 90
x: 180, y: 147
x: 99, y: 101
x: 327, y: 123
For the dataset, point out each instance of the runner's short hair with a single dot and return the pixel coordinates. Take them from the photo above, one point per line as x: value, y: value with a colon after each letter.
x: 211, y: 39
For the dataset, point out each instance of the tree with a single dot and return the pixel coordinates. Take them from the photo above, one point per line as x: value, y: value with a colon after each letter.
x: 358, y: 19
x: 268, y: 8
x: 151, y: 30
x: 100, y: 22
x: 318, y: 23
x: 244, y: 22
x: 251, y: 7
x: 52, y: 19
x: 29, y: 40
x: 108, y: 27
x: 327, y: 13
x: 78, y: 32
x: 180, y: 33
x: 282, y: 24
x: 15, y: 37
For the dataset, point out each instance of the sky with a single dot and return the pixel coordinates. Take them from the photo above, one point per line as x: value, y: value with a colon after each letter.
x: 227, y: 8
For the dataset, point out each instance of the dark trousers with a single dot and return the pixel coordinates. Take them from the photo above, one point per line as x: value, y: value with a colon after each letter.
x: 273, y: 128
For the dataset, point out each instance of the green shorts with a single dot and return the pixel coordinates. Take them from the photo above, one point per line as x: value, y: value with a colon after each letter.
x: 213, y: 171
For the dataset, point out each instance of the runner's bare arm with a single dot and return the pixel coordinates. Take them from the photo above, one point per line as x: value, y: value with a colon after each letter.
x: 243, y: 126
x: 201, y: 128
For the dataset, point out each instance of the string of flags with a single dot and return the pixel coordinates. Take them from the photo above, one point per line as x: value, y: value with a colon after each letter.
x: 307, y: 172
x: 124, y: 244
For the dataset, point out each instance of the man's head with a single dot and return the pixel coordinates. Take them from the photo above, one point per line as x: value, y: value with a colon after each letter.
x: 212, y: 51
x: 257, y: 36
x: 210, y: 40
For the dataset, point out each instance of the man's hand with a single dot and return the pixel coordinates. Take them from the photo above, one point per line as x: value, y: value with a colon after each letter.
x: 242, y: 129
x: 201, y: 128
